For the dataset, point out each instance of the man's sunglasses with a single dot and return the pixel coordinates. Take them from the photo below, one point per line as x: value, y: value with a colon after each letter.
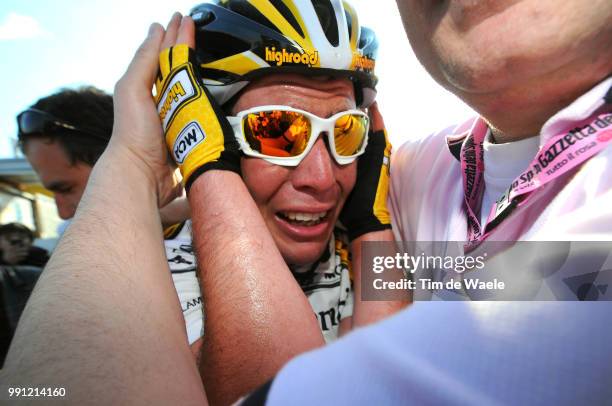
x: 284, y: 135
x: 35, y: 122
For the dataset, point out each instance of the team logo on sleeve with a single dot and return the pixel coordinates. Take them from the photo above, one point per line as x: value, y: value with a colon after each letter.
x: 180, y: 89
x: 187, y: 140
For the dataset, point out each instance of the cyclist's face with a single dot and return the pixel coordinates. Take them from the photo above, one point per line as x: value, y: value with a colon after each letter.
x: 301, y: 204
x: 67, y: 181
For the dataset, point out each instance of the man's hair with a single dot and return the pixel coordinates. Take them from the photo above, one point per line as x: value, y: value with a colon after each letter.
x: 16, y: 228
x: 85, y: 107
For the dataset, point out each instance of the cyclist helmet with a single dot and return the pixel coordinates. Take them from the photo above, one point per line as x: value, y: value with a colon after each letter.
x: 238, y: 41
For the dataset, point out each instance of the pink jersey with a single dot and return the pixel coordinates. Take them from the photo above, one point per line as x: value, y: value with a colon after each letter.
x: 564, y: 194
x: 427, y: 184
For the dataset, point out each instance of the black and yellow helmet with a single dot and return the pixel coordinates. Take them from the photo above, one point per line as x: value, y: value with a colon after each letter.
x: 240, y: 40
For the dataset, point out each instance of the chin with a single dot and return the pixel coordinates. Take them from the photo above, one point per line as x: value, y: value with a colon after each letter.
x: 301, y: 245
x: 303, y: 253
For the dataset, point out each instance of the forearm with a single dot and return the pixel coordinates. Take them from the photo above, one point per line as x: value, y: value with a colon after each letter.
x: 175, y: 212
x: 108, y: 274
x: 366, y: 312
x: 257, y: 317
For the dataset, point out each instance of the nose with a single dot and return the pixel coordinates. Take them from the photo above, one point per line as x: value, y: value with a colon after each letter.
x: 316, y: 172
x: 65, y: 208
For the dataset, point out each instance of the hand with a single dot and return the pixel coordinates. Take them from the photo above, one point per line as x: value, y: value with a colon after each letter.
x: 137, y: 134
x: 366, y: 207
x: 175, y: 212
x: 198, y: 135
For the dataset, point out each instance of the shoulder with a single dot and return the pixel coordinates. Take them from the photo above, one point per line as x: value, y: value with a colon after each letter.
x: 37, y: 257
x: 424, y: 173
x: 406, y: 349
x: 39, y: 252
x: 580, y: 205
x: 432, y: 145
x: 23, y: 275
x: 416, y: 159
x: 592, y: 182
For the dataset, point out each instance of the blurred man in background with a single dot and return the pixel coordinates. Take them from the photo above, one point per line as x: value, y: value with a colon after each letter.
x: 63, y: 135
x: 16, y: 246
x: 20, y: 266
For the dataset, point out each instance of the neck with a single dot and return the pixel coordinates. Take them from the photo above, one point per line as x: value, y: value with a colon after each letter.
x: 501, y: 137
x: 513, y: 118
x: 520, y: 112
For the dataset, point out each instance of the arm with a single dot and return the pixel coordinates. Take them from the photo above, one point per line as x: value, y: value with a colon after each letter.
x: 257, y: 317
x: 94, y: 322
x: 404, y: 360
x: 366, y: 312
x: 367, y: 218
x: 175, y: 212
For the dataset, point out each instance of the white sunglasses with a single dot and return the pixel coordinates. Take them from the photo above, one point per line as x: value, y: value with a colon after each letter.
x: 283, y: 135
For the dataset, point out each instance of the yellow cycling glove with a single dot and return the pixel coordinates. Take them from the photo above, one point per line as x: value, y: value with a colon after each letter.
x: 365, y: 209
x: 198, y: 135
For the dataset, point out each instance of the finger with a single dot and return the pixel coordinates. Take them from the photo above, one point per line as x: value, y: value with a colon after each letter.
x: 171, y: 31
x: 169, y: 40
x: 143, y: 68
x: 376, y: 119
x: 186, y: 32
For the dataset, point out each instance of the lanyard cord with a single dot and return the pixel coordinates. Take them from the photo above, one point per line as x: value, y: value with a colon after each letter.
x: 560, y: 154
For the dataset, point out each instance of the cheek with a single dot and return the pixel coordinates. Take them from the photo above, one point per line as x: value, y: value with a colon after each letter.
x: 262, y: 179
x: 77, y: 194
x: 83, y: 175
x: 79, y: 180
x: 265, y: 180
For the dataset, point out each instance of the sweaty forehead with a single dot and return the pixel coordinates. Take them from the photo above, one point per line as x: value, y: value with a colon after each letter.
x: 321, y: 95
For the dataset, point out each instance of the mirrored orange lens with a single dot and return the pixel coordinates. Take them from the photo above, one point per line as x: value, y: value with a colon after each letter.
x: 350, y: 133
x: 277, y: 133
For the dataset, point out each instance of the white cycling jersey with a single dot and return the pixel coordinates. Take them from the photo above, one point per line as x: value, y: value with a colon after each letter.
x: 327, y: 283
x: 182, y: 263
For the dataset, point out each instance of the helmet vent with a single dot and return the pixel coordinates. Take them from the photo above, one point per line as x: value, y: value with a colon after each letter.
x: 285, y: 12
x: 212, y: 46
x: 349, y: 22
x: 248, y: 10
x: 327, y: 19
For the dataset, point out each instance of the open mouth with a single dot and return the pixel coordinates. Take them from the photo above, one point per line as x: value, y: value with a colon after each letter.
x: 303, y: 219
